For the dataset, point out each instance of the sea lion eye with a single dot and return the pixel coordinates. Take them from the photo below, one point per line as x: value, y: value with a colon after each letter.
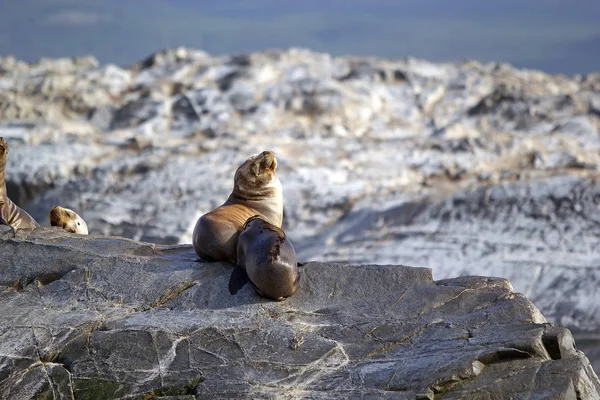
x: 78, y: 224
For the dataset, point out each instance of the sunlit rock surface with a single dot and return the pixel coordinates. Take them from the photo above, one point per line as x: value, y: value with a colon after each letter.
x: 105, y: 317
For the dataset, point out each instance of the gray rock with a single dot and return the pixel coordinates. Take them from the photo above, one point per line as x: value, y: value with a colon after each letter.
x: 107, y: 317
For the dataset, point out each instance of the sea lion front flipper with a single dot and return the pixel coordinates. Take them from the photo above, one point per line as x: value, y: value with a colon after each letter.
x: 237, y: 280
x: 205, y: 258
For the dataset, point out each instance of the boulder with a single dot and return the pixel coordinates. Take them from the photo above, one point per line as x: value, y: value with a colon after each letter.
x: 99, y: 317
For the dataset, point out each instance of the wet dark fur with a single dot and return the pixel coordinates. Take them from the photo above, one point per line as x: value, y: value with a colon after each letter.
x: 267, y: 259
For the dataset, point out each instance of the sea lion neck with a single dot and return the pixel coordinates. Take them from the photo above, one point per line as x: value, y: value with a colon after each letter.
x: 261, y: 203
x: 254, y: 195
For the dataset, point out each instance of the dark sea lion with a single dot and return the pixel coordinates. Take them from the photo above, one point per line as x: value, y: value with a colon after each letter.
x: 256, y: 191
x: 12, y: 214
x: 68, y: 220
x: 267, y: 259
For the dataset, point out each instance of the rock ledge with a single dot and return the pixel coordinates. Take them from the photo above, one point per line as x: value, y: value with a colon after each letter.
x: 107, y: 317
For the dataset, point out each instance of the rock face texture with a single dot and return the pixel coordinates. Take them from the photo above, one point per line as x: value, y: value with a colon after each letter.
x: 95, y: 317
x: 467, y: 168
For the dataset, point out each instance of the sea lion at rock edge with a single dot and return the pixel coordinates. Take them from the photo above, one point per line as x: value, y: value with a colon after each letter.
x: 267, y: 259
x: 12, y: 214
x: 68, y: 220
x: 256, y: 191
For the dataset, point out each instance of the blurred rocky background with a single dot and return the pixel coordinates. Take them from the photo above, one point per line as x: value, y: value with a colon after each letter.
x: 468, y: 167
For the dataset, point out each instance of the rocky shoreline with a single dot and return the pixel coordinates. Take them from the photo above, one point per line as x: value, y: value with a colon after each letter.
x: 467, y: 168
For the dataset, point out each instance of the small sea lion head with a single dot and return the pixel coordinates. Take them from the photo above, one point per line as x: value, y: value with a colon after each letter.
x: 257, y: 173
x: 68, y: 220
x: 259, y: 222
x: 3, y: 146
x: 255, y: 221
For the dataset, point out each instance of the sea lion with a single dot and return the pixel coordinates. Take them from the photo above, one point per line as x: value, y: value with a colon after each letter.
x: 267, y: 258
x: 12, y: 214
x: 68, y: 219
x: 256, y: 191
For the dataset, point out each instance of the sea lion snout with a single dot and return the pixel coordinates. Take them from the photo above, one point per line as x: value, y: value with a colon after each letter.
x: 266, y: 161
x: 273, y: 163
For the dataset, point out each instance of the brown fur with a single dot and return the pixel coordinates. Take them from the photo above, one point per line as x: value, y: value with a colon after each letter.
x: 12, y: 214
x: 256, y: 191
x: 68, y: 220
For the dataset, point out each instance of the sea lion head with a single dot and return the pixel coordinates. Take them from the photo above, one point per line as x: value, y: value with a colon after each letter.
x: 3, y: 146
x: 68, y: 219
x: 256, y: 176
x: 255, y: 220
x: 259, y: 222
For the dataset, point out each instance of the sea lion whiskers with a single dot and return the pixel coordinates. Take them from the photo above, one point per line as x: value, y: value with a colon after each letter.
x: 258, y: 178
x: 268, y: 161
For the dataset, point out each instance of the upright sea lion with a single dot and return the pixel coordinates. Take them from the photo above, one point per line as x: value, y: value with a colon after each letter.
x: 12, y: 214
x: 256, y: 191
x: 267, y: 258
x: 68, y: 219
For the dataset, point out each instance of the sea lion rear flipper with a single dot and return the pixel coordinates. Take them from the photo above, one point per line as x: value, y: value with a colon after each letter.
x: 237, y: 280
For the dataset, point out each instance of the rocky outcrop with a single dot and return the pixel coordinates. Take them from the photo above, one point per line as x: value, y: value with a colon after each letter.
x: 467, y: 168
x: 105, y: 317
